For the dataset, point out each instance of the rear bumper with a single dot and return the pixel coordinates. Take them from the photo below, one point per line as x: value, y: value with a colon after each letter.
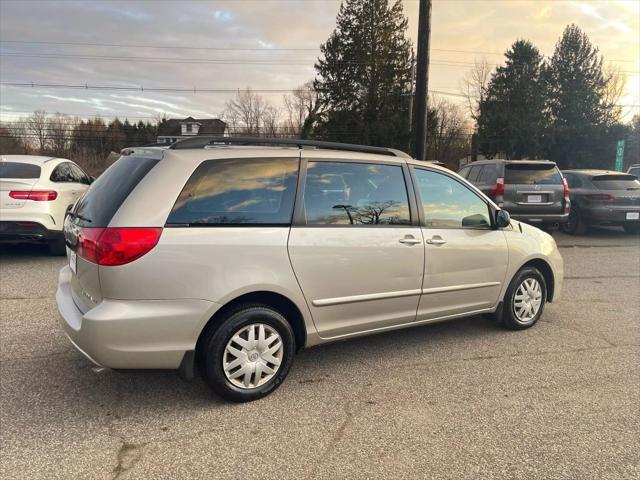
x: 533, y: 219
x: 26, y: 231
x: 132, y: 334
x: 608, y: 215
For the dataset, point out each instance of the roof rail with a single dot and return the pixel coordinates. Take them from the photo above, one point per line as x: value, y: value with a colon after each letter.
x: 202, y: 141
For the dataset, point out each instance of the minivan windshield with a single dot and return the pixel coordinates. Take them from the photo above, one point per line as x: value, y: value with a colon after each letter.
x: 532, y: 174
x: 19, y: 170
x: 98, y: 206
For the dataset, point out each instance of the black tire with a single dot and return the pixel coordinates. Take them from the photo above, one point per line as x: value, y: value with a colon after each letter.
x: 575, y: 225
x: 57, y: 246
x: 632, y: 228
x: 212, y: 349
x: 509, y: 318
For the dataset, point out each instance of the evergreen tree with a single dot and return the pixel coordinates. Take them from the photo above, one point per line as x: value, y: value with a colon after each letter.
x: 512, y: 113
x: 581, y: 118
x: 365, y: 75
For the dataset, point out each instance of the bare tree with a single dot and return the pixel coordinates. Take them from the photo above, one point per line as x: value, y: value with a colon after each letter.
x: 616, y: 82
x: 474, y: 86
x: 271, y: 121
x: 301, y: 109
x: 37, y: 127
x: 448, y: 141
x: 60, y: 132
x: 245, y: 113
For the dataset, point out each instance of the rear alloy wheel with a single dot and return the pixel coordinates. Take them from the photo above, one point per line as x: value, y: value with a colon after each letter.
x: 249, y: 354
x: 525, y: 299
x: 575, y: 224
x: 632, y: 228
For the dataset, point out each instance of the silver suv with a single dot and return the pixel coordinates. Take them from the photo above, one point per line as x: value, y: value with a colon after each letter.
x: 532, y: 191
x: 228, y: 257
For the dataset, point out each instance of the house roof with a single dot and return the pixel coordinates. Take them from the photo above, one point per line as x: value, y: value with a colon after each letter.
x: 208, y: 126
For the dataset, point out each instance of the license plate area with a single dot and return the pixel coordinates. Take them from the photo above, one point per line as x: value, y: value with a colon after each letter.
x: 534, y: 198
x: 633, y: 215
x: 73, y: 259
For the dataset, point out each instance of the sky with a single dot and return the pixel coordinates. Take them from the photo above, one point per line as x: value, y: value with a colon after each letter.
x: 268, y: 45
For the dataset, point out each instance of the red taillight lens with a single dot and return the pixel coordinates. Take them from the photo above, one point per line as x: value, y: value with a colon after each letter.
x: 35, y: 195
x: 111, y: 247
x: 565, y: 194
x: 498, y: 188
x: 88, y: 243
x: 600, y: 197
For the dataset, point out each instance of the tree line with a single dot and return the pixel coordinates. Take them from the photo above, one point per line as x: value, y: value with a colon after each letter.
x: 563, y: 108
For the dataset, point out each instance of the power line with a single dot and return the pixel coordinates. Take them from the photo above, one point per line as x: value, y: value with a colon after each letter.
x: 265, y: 49
x: 193, y: 90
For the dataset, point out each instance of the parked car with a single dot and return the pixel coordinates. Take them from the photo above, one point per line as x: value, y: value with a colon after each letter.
x: 602, y: 197
x: 35, y: 194
x: 532, y: 191
x: 634, y: 170
x: 233, y: 257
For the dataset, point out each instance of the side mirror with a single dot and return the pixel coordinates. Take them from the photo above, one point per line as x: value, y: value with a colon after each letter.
x: 503, y: 219
x: 475, y: 221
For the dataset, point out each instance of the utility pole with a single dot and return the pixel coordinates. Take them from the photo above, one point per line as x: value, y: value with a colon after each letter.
x: 422, y: 79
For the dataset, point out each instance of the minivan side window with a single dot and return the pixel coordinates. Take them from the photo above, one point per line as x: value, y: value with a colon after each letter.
x: 464, y: 173
x: 449, y: 204
x: 240, y: 191
x: 364, y: 194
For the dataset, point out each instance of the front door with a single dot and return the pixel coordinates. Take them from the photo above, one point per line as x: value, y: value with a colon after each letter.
x: 357, y: 256
x: 465, y: 257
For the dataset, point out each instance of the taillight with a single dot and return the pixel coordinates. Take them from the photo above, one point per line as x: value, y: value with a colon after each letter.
x: 600, y: 197
x: 35, y: 195
x: 111, y: 247
x: 88, y: 243
x: 498, y: 188
x: 565, y: 194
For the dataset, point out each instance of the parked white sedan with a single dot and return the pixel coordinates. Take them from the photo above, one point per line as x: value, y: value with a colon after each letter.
x: 35, y: 194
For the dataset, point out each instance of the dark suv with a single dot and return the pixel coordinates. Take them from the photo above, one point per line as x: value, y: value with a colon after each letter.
x: 602, y: 197
x: 533, y: 191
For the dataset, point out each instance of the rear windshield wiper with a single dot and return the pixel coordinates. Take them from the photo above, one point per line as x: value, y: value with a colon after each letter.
x: 77, y: 215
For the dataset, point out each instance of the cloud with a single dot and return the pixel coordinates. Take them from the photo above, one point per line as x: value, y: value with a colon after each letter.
x: 265, y: 27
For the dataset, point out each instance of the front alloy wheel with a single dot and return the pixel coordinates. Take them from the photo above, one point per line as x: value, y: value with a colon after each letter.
x: 524, y: 300
x: 527, y: 300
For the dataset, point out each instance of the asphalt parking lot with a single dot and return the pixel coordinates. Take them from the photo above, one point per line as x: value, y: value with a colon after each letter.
x: 462, y: 399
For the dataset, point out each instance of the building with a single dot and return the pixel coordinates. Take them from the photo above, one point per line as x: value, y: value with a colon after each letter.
x: 172, y: 130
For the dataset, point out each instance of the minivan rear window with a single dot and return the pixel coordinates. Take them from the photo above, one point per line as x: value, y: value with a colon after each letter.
x: 616, y: 182
x: 19, y: 170
x: 532, y: 174
x: 241, y: 191
x: 105, y: 196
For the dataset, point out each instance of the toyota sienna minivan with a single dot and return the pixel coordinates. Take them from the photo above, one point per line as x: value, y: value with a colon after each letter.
x: 226, y: 256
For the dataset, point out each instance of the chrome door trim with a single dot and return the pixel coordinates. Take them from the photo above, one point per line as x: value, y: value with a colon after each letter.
x: 456, y: 288
x: 412, y: 324
x: 325, y: 302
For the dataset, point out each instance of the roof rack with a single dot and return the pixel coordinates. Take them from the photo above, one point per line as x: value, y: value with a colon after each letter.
x: 202, y: 141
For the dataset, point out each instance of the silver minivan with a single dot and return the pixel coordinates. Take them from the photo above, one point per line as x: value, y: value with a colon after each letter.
x: 228, y: 255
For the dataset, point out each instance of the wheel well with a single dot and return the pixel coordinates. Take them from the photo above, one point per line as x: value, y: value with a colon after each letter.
x: 279, y: 302
x: 546, y: 272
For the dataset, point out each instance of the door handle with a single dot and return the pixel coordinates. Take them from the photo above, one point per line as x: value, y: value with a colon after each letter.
x: 437, y: 240
x: 409, y: 240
